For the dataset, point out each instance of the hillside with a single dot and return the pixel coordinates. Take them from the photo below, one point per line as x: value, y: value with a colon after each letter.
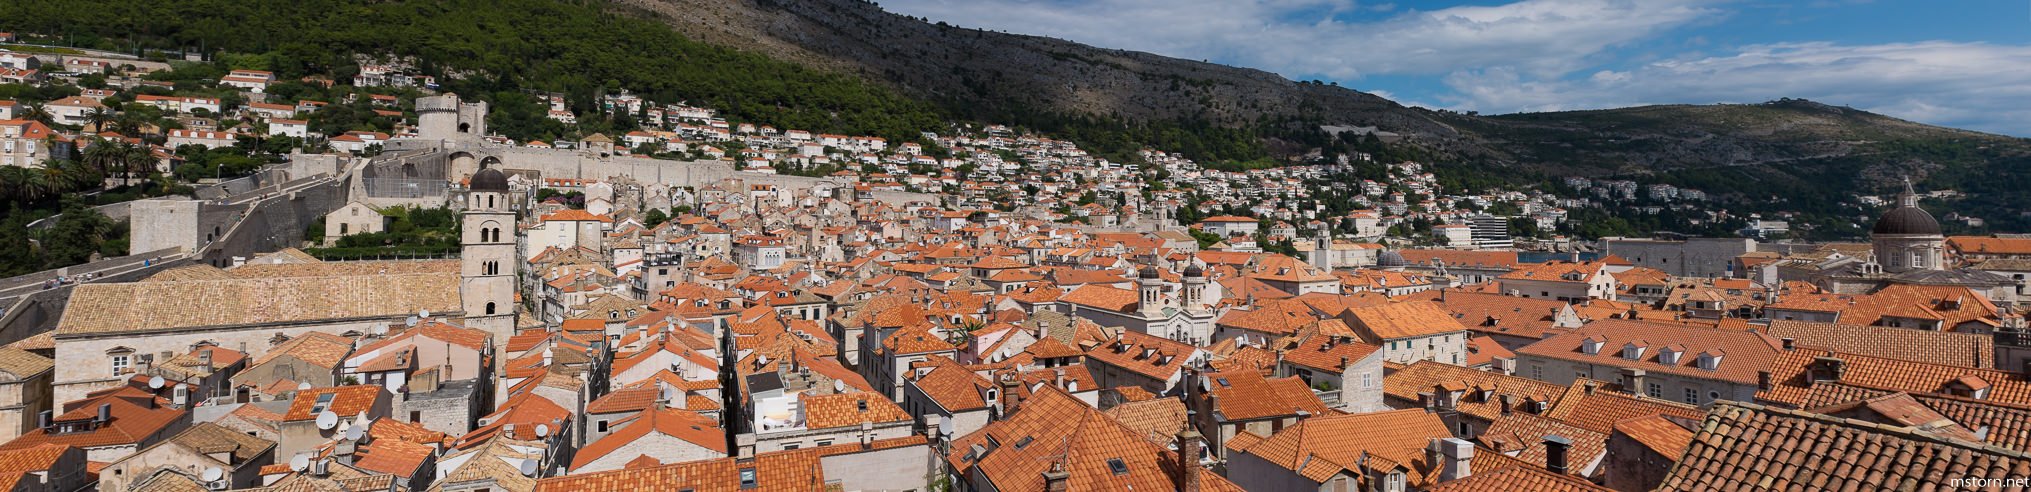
x: 1004, y: 76
x: 1000, y: 72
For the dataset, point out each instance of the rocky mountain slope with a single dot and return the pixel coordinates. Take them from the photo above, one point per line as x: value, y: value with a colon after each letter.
x: 989, y: 73
x: 1786, y: 156
x: 997, y: 71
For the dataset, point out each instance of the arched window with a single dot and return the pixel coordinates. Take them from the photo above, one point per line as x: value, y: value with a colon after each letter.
x: 490, y: 201
x: 490, y: 308
x: 465, y: 127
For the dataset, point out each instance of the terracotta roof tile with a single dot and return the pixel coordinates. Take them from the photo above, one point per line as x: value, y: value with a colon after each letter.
x: 1742, y: 446
x: 1398, y: 436
x: 849, y: 409
x: 1946, y: 347
x: 1404, y: 320
x: 1793, y: 385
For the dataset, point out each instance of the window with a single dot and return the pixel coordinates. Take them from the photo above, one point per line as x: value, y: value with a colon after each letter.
x: 825, y: 442
x: 1692, y: 396
x: 1117, y: 466
x: 1367, y: 380
x: 602, y: 426
x: 490, y: 308
x: 1713, y: 395
x: 1580, y: 375
x: 1537, y: 372
x: 121, y: 364
x: 323, y: 402
x: 790, y: 446
x: 415, y: 416
x: 1655, y: 390
x: 747, y: 478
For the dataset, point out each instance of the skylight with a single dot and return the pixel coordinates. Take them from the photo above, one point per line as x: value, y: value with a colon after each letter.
x: 1117, y: 466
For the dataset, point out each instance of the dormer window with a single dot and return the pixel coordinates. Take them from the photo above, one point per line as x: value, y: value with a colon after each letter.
x: 1632, y: 351
x: 1668, y: 356
x: 1710, y: 360
x: 1591, y: 346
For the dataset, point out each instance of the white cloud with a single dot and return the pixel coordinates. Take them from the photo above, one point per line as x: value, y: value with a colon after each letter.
x: 1978, y: 86
x: 1302, y: 38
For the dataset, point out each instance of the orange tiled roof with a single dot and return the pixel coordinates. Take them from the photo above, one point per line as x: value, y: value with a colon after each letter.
x: 1343, y: 441
x: 1598, y: 409
x: 1424, y: 376
x: 849, y: 409
x: 346, y: 401
x: 684, y: 425
x: 1762, y: 447
x: 1744, y: 352
x: 1524, y: 434
x: 1961, y: 349
x: 1055, y: 428
x: 1404, y: 320
x: 1792, y: 382
x: 1247, y: 395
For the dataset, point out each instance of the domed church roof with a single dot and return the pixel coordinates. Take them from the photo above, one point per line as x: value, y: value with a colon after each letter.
x: 1907, y: 220
x: 489, y: 179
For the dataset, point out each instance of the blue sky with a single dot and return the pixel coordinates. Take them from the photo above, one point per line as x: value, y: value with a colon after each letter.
x: 1963, y: 64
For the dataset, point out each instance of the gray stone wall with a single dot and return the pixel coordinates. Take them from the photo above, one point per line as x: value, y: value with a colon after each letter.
x: 1696, y: 257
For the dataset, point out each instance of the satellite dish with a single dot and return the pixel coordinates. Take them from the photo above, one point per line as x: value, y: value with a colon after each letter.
x: 327, y: 420
x: 354, y: 433
x: 945, y: 425
x: 838, y: 386
x: 302, y: 386
x: 155, y: 382
x: 542, y: 430
x: 424, y: 314
x: 411, y: 321
x: 528, y: 467
x: 300, y: 462
x: 213, y: 474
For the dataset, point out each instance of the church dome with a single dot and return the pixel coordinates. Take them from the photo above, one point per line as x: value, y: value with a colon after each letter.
x: 1906, y: 221
x: 1149, y: 271
x: 1390, y: 259
x: 489, y: 179
x: 1193, y: 270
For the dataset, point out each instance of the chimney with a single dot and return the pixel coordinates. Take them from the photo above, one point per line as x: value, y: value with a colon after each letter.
x: 1589, y: 386
x: 1762, y: 380
x: 1188, y: 455
x: 1633, y: 380
x: 1426, y: 400
x: 205, y: 357
x: 1555, y: 453
x: 1508, y: 402
x: 1451, y: 455
x: 1790, y: 343
x: 343, y: 452
x: 1056, y: 479
x: 105, y: 413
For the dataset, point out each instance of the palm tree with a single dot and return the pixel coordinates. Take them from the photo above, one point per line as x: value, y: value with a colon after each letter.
x: 14, y: 183
x: 98, y: 118
x: 135, y: 157
x: 102, y: 157
x: 35, y: 111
